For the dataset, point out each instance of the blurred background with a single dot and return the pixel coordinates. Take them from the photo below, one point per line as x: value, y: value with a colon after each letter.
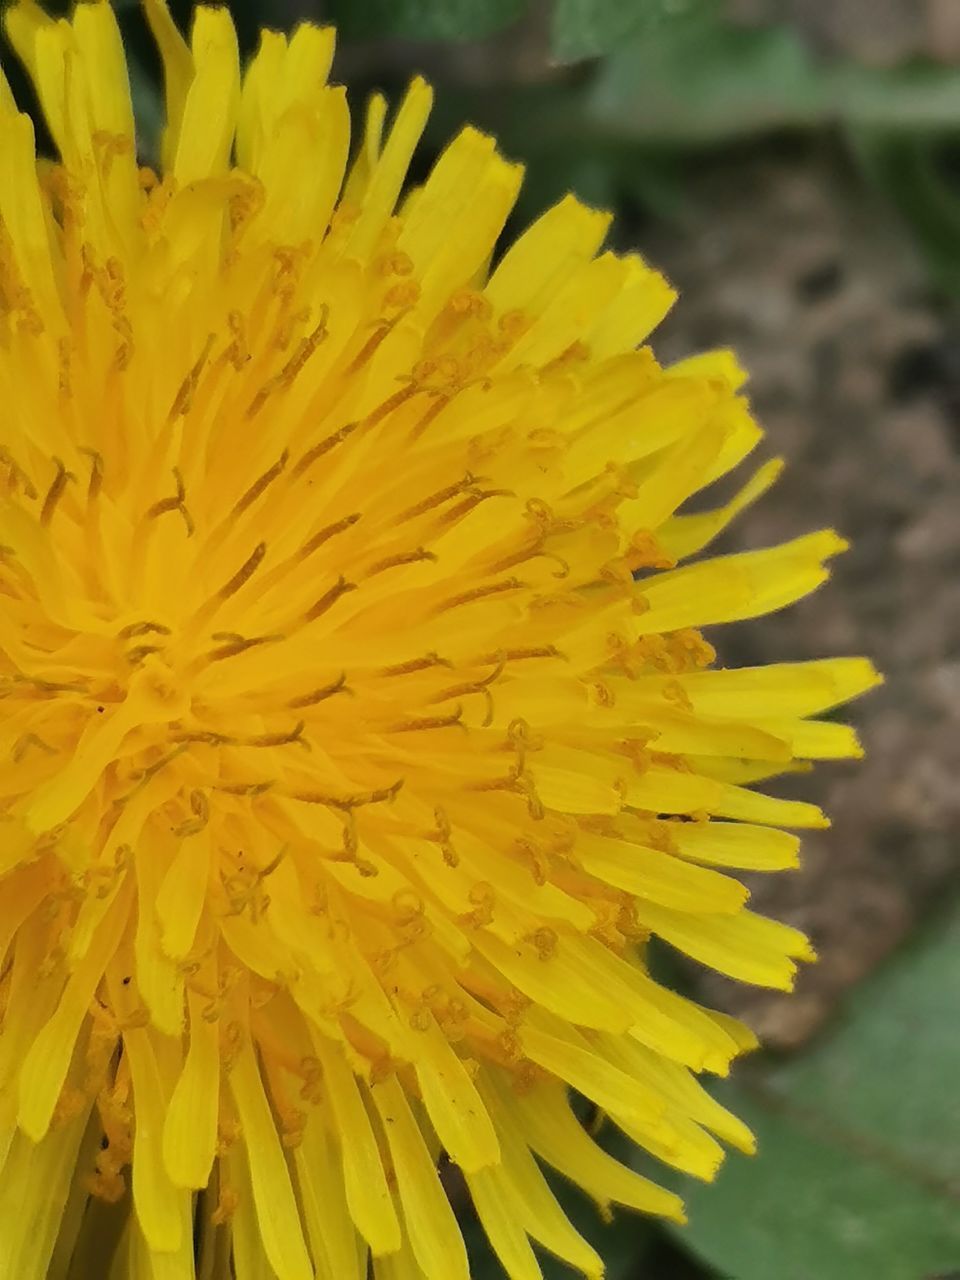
x: 794, y: 167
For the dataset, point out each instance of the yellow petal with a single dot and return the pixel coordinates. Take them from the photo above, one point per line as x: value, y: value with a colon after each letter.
x: 495, y: 1208
x: 536, y: 266
x: 368, y: 1196
x: 430, y: 1223
x: 159, y: 1204
x: 736, y: 844
x: 45, y: 1068
x: 277, y: 1215
x: 644, y: 299
x: 390, y: 170
x: 573, y: 781
x: 534, y: 1203
x: 660, y: 877
x: 547, y: 1123
x: 178, y: 71
x: 782, y: 689
x: 739, y: 586
x: 744, y: 946
x: 683, y: 536
x: 210, y: 108
x: 333, y: 1238
x: 190, y: 1127
x: 453, y: 1104
x: 182, y: 893
x: 33, y: 1192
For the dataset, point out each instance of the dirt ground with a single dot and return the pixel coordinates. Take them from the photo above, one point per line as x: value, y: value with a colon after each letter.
x: 856, y: 378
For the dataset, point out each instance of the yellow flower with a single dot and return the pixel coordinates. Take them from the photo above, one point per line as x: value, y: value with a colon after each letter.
x: 356, y: 734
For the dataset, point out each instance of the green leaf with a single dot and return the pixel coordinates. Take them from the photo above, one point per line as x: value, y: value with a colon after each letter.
x: 858, y: 1171
x: 708, y: 80
x: 587, y: 28
x: 425, y: 19
x: 904, y: 100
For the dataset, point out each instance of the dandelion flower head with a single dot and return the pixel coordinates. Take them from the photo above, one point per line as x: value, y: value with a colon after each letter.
x: 357, y: 730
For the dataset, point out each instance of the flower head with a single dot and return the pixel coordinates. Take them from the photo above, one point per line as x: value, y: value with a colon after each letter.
x: 356, y: 730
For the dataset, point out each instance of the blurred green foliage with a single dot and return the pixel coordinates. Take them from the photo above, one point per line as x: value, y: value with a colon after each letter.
x: 588, y: 28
